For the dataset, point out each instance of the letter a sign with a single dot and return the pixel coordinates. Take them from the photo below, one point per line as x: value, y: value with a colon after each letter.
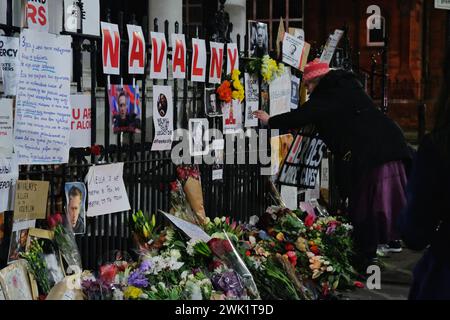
x: 37, y: 15
x: 136, y: 50
x: 158, y: 64
x: 110, y: 48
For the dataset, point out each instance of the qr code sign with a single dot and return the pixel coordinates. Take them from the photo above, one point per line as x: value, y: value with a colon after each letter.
x: 163, y: 125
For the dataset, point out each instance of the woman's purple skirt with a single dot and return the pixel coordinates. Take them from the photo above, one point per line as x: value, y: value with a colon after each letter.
x: 377, y: 201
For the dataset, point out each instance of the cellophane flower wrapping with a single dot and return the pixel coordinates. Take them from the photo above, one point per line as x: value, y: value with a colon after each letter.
x: 65, y: 240
x: 179, y: 204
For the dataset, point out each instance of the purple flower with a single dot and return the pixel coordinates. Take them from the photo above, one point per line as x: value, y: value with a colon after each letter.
x: 138, y: 279
x: 229, y: 282
x: 145, y: 265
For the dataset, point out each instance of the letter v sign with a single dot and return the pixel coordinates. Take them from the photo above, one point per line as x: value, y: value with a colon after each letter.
x: 158, y: 64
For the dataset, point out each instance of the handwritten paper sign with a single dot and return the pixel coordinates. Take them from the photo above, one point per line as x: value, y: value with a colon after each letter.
x: 6, y: 126
x: 280, y: 94
x: 162, y: 118
x: 193, y: 231
x: 82, y: 15
x: 9, y: 49
x: 42, y: 123
x: 251, y: 99
x: 80, y: 126
x: 106, y: 190
x: 330, y: 46
x: 30, y: 200
x: 9, y: 173
x: 37, y: 15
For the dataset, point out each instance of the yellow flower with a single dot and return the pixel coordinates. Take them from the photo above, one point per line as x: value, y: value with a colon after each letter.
x: 132, y: 292
x: 280, y: 236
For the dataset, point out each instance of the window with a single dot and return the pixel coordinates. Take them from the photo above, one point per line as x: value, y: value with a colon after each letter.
x: 270, y: 11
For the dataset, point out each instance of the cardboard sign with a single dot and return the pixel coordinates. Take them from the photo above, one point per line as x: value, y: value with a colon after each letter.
x: 158, y: 63
x: 193, y: 231
x: 42, y: 120
x: 9, y: 173
x: 80, y: 127
x: 232, y: 57
x: 302, y: 165
x: 106, y: 190
x: 30, y: 200
x: 82, y: 14
x: 251, y: 99
x: 280, y: 94
x: 136, y: 50
x: 178, y: 56
x: 232, y: 116
x: 6, y: 126
x: 9, y: 63
x: 37, y: 15
x: 215, y: 66
x: 162, y: 118
x: 110, y: 48
x: 330, y: 46
x: 198, y: 69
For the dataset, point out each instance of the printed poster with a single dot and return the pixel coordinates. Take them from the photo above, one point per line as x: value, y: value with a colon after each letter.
x: 251, y: 99
x: 43, y: 115
x: 232, y: 116
x: 125, y: 106
x: 80, y: 126
x: 75, y: 206
x: 9, y: 173
x: 162, y: 118
x: 37, y: 15
x: 82, y: 14
x: 9, y: 64
x: 106, y: 190
x: 280, y: 94
x: 293, y: 51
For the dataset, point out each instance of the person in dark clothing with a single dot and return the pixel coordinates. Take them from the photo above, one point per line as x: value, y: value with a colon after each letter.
x: 369, y: 148
x: 425, y: 223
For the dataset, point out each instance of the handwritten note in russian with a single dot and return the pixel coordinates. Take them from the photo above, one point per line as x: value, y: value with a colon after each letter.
x: 106, y: 190
x: 42, y: 123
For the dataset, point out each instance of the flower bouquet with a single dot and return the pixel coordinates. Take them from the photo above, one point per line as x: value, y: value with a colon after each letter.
x: 267, y: 67
x: 189, y: 176
x: 231, y: 88
x: 143, y: 230
x: 179, y: 205
x: 37, y: 266
x: 65, y: 240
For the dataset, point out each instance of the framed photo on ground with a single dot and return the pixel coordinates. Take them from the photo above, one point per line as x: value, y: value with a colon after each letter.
x: 15, y: 282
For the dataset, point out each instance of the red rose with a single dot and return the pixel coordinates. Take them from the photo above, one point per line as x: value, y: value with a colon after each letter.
x: 227, y: 246
x: 96, y: 150
x: 309, y: 221
x: 51, y: 221
x: 108, y: 273
x: 174, y: 186
x: 315, y: 250
x: 233, y: 225
x: 358, y: 284
x: 325, y: 289
x: 215, y: 264
x: 289, y: 247
x: 248, y: 253
x: 227, y: 220
x: 216, y: 246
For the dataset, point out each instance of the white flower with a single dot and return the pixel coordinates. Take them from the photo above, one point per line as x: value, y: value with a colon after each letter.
x: 253, y: 220
x: 217, y: 220
x: 252, y: 239
x: 117, y: 294
x: 162, y: 285
x: 184, y: 275
x: 224, y: 219
x: 330, y: 269
x: 174, y: 253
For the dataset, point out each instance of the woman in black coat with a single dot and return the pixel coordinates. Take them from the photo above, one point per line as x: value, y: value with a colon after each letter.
x: 369, y: 148
x: 426, y: 220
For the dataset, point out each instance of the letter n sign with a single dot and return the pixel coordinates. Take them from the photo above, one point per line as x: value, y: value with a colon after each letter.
x: 110, y: 48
